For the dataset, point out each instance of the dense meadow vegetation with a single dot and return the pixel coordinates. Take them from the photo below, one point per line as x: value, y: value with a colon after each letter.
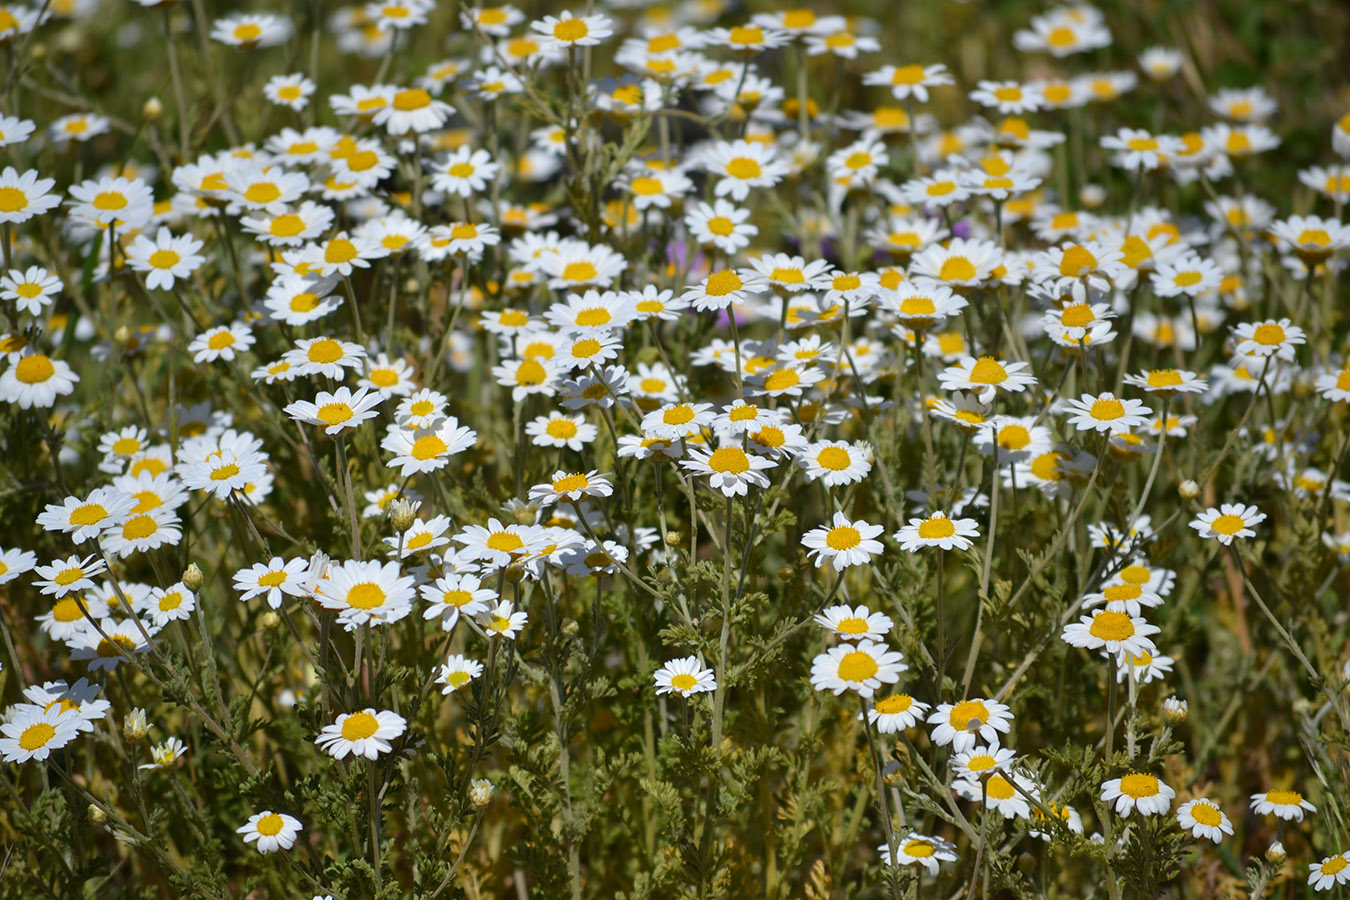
x: 702, y: 451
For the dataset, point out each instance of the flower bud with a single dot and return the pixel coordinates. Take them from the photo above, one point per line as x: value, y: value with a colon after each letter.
x: 270, y: 621
x: 152, y: 109
x: 1275, y: 853
x: 1188, y: 490
x: 1174, y: 710
x: 96, y: 814
x: 480, y: 792
x: 134, y: 726
x: 1092, y: 196
x: 402, y: 514
x: 673, y: 539
x: 193, y: 578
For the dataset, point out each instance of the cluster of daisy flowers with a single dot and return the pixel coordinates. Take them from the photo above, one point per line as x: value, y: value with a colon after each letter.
x: 626, y: 321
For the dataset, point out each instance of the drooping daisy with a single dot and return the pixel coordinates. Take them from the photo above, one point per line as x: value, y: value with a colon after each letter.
x: 1137, y: 791
x: 937, y: 530
x: 685, y: 676
x: 1229, y: 521
x: 862, y: 667
x: 367, y: 733
x: 270, y: 831
x: 1203, y: 818
x: 1287, y: 805
x: 849, y: 623
x: 844, y: 543
x: 916, y: 849
x: 896, y: 713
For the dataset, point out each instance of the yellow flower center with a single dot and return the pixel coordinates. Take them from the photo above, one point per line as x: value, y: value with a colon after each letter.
x: 857, y: 666
x: 67, y: 577
x: 366, y: 595
x: 896, y: 703
x: 139, y: 527
x: 729, y: 459
x: 220, y: 340
x: 957, y: 268
x: 1164, y: 378
x: 936, y: 528
x: 324, y: 351
x: 36, y: 736
x: 34, y: 369
x: 504, y: 541
x: 1333, y: 866
x: 1107, y: 410
x: 569, y: 483
x: 1284, y: 798
x: 88, y: 514
x: 584, y: 270
x: 1228, y: 524
x: 416, y: 98
x: 427, y: 447
x: 1136, y: 785
x: 918, y: 849
x: 1206, y: 814
x: 782, y: 380
x: 335, y: 413
x: 570, y: 30
x: 339, y: 250
x: 12, y: 199
x: 843, y: 537
x: 746, y: 34
x: 1013, y: 437
x: 1077, y: 262
x: 968, y: 711
x: 1111, y: 626
x: 836, y: 459
x: 744, y: 168
x: 1077, y: 315
x: 1268, y: 334
x: 684, y: 681
x: 988, y: 370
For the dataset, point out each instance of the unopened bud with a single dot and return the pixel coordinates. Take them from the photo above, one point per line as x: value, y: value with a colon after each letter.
x: 1188, y: 490
x: 193, y: 578
x: 785, y: 573
x: 480, y: 792
x: 673, y: 539
x: 134, y: 726
x: 570, y: 628
x: 270, y: 621
x: 96, y: 814
x: 1026, y: 863
x: 1275, y: 853
x: 122, y: 335
x: 402, y: 514
x: 152, y: 109
x: 1175, y: 711
x: 1092, y: 196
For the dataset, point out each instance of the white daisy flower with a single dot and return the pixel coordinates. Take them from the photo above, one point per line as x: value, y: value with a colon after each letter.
x: 270, y: 831
x: 367, y: 733
x: 1137, y: 791
x: 684, y: 676
x: 861, y: 667
x: 845, y: 543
